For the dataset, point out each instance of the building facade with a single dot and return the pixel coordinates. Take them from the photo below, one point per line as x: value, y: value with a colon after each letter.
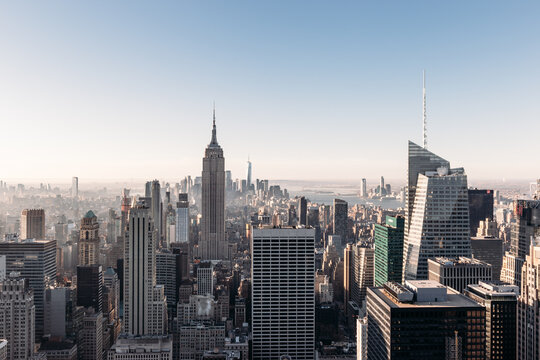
x: 33, y: 224
x: 89, y: 240
x: 389, y: 250
x: 457, y: 273
x: 283, y: 293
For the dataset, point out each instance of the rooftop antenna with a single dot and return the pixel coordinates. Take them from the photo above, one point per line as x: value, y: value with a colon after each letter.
x: 424, y: 115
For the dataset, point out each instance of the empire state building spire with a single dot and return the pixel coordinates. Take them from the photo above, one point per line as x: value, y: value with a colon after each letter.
x: 214, y: 136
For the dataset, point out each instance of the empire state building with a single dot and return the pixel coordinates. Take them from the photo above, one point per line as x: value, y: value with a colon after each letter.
x: 213, y: 244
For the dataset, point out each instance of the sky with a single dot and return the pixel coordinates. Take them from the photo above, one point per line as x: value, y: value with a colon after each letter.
x: 309, y: 90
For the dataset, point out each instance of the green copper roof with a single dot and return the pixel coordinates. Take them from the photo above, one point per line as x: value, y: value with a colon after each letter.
x: 90, y: 214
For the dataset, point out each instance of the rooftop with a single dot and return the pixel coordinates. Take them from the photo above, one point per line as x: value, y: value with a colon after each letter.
x: 90, y: 214
x: 461, y: 261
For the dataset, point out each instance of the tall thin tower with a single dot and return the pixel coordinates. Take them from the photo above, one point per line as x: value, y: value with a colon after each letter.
x: 424, y: 114
x: 213, y: 244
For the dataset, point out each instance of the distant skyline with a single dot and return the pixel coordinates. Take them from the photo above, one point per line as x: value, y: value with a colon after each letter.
x: 308, y: 90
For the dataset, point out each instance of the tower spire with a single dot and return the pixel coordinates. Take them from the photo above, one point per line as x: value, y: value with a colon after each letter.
x: 214, y: 136
x: 424, y: 115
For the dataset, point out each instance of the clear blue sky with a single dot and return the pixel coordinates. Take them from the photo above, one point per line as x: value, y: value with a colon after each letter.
x: 307, y: 89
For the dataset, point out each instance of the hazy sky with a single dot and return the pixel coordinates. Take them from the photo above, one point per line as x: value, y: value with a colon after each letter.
x: 307, y: 89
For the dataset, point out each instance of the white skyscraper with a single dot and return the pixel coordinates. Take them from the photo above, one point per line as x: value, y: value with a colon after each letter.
x: 17, y: 314
x: 182, y: 219
x: 145, y: 308
x: 439, y: 223
x: 283, y: 293
x: 75, y: 187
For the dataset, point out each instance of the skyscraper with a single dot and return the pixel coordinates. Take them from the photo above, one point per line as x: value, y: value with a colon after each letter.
x: 205, y: 278
x: 248, y: 179
x: 302, y: 211
x: 75, y: 187
x: 480, y: 207
x: 389, y: 250
x: 145, y: 309
x: 283, y: 293
x: 528, y: 334
x: 500, y: 302
x: 363, y: 189
x: 340, y: 219
x: 213, y: 244
x: 182, y: 218
x: 90, y: 286
x: 457, y: 273
x: 438, y: 218
x: 424, y: 320
x: 17, y: 324
x: 35, y: 260
x: 157, y: 209
x: 89, y: 240
x: 33, y: 224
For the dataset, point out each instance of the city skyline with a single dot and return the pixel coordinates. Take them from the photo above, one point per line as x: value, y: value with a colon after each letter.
x: 276, y: 80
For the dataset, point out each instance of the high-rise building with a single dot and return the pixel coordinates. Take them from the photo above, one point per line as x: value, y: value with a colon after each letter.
x: 2, y: 267
x: 382, y: 189
x: 91, y: 336
x: 248, y: 179
x: 457, y: 273
x: 527, y: 225
x: 166, y: 275
x: 340, y: 219
x: 33, y: 224
x: 362, y: 272
x: 347, y: 274
x: 205, y: 278
x: 302, y: 211
x: 389, y: 250
x: 490, y: 250
x: 528, y: 334
x: 89, y: 240
x: 60, y: 308
x: 480, y: 208
x: 438, y: 219
x: 145, y: 309
x: 35, y: 260
x: 424, y: 320
x: 156, y: 208
x: 213, y: 243
x: 500, y: 302
x: 75, y: 187
x: 90, y: 286
x: 363, y: 189
x: 283, y: 293
x: 182, y: 218
x: 17, y: 314
x: 3, y: 349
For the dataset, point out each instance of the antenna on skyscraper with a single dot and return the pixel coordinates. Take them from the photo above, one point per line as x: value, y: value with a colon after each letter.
x: 424, y: 115
x: 214, y: 113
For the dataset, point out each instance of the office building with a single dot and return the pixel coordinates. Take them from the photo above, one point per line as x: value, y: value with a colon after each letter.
x: 527, y: 225
x: 35, y: 260
x: 213, y: 243
x: 182, y: 218
x: 197, y: 337
x: 363, y: 189
x: 340, y: 217
x: 457, y: 273
x: 59, y: 350
x: 156, y: 208
x: 91, y: 336
x: 2, y: 267
x: 17, y: 314
x: 75, y: 187
x: 283, y: 294
x: 438, y: 218
x: 424, y: 320
x: 145, y: 308
x: 302, y: 211
x: 205, y: 278
x: 389, y: 250
x: 347, y: 273
x: 89, y: 240
x: 500, y: 302
x: 90, y: 287
x: 480, y: 208
x: 490, y: 250
x: 361, y: 338
x: 60, y: 308
x: 141, y: 348
x: 528, y: 334
x: 33, y: 224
